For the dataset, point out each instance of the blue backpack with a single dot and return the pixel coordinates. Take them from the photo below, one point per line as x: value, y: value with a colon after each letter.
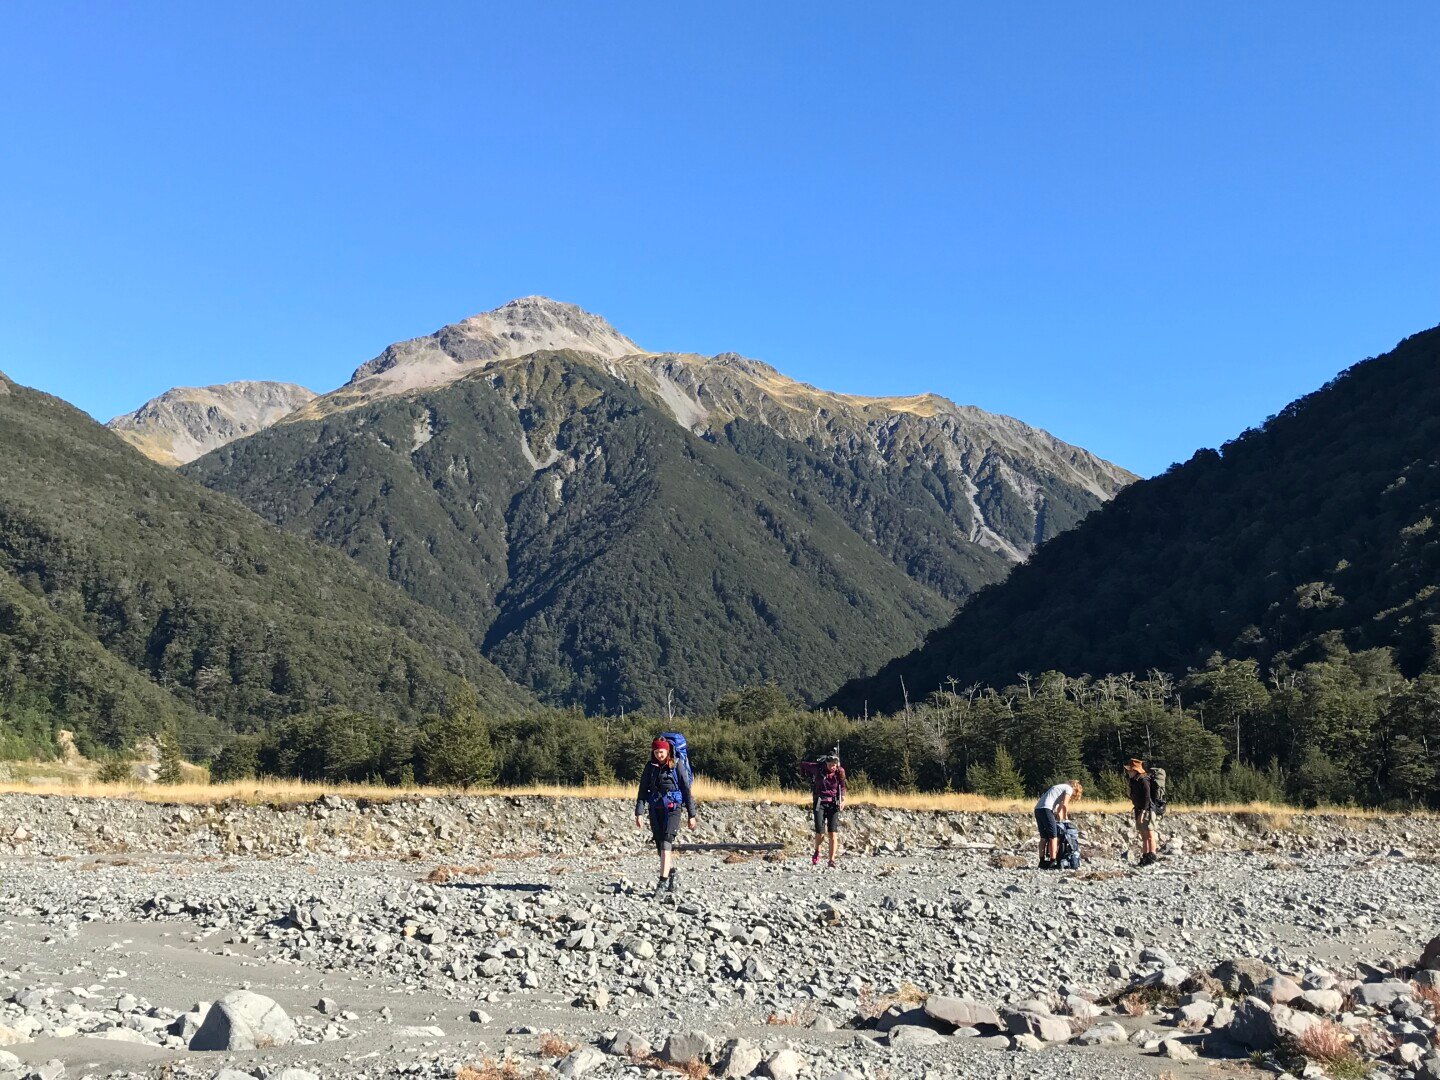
x: 682, y: 755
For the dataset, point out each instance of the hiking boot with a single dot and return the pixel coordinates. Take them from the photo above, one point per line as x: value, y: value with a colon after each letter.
x: 671, y: 886
x: 815, y: 859
x: 832, y: 864
x: 659, y: 886
x: 1047, y: 864
x: 1149, y: 859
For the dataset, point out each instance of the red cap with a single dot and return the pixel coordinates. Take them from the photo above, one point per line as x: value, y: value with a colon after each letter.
x: 658, y: 743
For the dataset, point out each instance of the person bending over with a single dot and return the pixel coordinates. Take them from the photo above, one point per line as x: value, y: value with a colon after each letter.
x: 664, y: 792
x: 1053, y: 808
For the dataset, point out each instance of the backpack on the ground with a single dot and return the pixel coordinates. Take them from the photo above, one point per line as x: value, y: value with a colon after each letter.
x: 682, y: 755
x: 1068, y: 850
x: 1157, y: 791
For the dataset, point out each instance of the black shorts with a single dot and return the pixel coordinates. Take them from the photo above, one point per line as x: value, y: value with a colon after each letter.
x: 827, y: 817
x: 664, y: 825
x: 1045, y: 821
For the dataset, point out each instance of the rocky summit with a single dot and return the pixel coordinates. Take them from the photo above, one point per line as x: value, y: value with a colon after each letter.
x: 486, y: 937
x: 182, y: 424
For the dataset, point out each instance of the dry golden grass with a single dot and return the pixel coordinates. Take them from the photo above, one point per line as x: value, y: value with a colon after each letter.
x: 552, y: 1046
x: 1331, y: 1046
x: 490, y: 1069
x: 1428, y: 994
x: 802, y: 1016
x: 197, y: 792
x: 870, y: 1005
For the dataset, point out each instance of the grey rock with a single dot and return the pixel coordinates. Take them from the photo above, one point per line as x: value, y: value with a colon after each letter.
x: 909, y: 1035
x: 784, y: 1065
x: 1241, y: 975
x: 1098, y: 1034
x: 1278, y: 990
x: 739, y: 1058
x: 693, y: 1045
x: 242, y: 1020
x: 1381, y: 995
x: 580, y: 1061
x: 1176, y: 1050
x: 961, y: 1012
x: 1320, y: 1001
x: 1429, y: 1068
x: 1043, y: 1027
x: 629, y: 1044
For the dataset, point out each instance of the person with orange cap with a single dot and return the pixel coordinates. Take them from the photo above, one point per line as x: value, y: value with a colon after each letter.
x: 1143, y: 803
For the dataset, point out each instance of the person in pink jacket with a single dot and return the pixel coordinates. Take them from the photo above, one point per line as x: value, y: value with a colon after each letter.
x: 827, y: 785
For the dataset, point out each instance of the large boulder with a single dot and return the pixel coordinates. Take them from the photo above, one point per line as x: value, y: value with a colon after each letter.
x: 1278, y: 990
x: 784, y: 1065
x: 691, y: 1046
x: 1109, y: 1032
x: 1042, y: 1026
x: 740, y: 1058
x: 242, y: 1020
x: 908, y: 1035
x: 1241, y: 975
x: 580, y: 1061
x: 1382, y: 995
x: 960, y: 1012
x: 1251, y: 1024
x: 1430, y: 958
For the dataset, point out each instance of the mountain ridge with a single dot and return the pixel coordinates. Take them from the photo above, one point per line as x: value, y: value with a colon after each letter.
x: 186, y: 422
x: 1309, y: 534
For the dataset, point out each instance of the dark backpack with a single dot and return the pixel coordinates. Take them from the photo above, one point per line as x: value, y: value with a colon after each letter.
x: 1068, y: 850
x: 1157, y: 791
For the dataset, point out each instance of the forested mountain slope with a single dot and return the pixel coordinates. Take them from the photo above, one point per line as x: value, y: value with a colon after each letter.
x: 1320, y: 523
x: 614, y: 527
x: 131, y: 596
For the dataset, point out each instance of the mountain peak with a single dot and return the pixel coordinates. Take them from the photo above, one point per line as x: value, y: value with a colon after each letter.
x: 525, y: 325
x: 187, y: 422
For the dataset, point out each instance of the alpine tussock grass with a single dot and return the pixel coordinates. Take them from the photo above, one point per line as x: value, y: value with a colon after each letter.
x: 290, y: 792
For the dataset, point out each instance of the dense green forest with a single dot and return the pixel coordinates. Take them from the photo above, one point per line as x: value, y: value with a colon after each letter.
x: 1345, y: 729
x: 1317, y: 527
x: 133, y: 599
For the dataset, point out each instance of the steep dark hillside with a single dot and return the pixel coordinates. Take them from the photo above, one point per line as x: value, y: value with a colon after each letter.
x: 602, y: 553
x: 196, y: 597
x: 1320, y: 523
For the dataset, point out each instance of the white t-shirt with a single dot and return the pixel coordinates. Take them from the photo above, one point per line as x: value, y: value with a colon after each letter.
x: 1052, y: 798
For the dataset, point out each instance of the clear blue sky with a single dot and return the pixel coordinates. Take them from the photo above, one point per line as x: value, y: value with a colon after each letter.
x: 1143, y: 227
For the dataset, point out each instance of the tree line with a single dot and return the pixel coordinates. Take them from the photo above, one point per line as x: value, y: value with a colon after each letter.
x: 1348, y: 729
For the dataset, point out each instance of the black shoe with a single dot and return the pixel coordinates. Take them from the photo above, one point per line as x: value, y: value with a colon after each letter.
x: 1148, y: 859
x: 673, y: 875
x: 1047, y: 864
x: 659, y: 886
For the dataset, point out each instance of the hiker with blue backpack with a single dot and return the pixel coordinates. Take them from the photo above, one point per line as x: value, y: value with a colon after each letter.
x: 665, y: 790
x: 1052, y: 818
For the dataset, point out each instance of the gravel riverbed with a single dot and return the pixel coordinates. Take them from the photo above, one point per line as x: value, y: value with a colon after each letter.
x: 522, y: 936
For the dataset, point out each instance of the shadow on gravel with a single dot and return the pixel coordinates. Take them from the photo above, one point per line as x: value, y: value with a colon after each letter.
x: 499, y: 886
